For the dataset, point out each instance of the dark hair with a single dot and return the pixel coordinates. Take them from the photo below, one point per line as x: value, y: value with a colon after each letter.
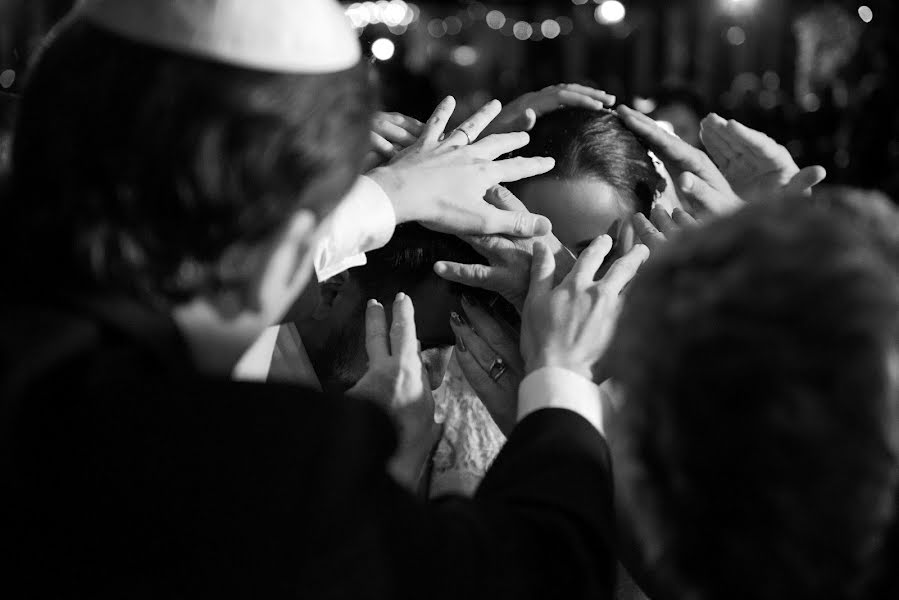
x: 136, y: 169
x: 408, y: 259
x: 759, y: 422
x: 596, y: 144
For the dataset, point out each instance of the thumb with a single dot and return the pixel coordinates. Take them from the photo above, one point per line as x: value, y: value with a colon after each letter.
x: 701, y: 193
x: 500, y: 197
x: 518, y: 223
x: 805, y: 180
x: 543, y: 268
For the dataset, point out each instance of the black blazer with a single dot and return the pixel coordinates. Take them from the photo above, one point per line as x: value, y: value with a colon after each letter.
x: 126, y: 474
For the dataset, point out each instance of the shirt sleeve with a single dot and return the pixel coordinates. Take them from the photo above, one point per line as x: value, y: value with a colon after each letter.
x: 363, y: 221
x: 553, y: 387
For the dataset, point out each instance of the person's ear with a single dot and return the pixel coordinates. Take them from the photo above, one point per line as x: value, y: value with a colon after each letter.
x: 330, y: 291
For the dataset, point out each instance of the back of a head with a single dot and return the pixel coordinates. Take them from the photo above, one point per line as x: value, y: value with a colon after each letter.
x: 759, y: 429
x: 136, y: 168
x: 597, y: 145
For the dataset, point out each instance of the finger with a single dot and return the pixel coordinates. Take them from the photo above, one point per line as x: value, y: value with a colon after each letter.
x: 436, y: 125
x: 494, y: 146
x: 755, y: 142
x: 394, y: 133
x: 543, y: 267
x: 403, y: 339
x: 515, y: 169
x: 699, y: 192
x: 647, y: 232
x: 477, y: 276
x: 673, y: 151
x: 805, y: 180
x: 663, y: 221
x: 573, y: 95
x: 684, y: 219
x: 718, y: 148
x: 500, y: 197
x: 381, y: 145
x: 529, y: 119
x: 590, y: 260
x: 625, y: 268
x: 376, y: 340
x: 480, y: 350
x: 490, y: 330
x: 514, y: 223
x: 601, y: 95
x: 410, y: 124
x: 472, y: 127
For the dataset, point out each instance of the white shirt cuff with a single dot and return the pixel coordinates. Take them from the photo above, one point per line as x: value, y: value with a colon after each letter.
x: 553, y: 387
x: 363, y: 221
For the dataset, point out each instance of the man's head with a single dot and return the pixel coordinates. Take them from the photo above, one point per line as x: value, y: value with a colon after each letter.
x: 171, y: 174
x: 758, y: 364
x: 333, y: 329
x: 603, y: 174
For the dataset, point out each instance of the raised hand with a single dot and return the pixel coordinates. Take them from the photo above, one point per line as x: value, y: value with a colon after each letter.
x: 489, y: 356
x: 508, y: 272
x: 656, y: 231
x: 397, y: 381
x: 570, y: 325
x: 699, y: 180
x: 441, y: 183
x: 755, y: 165
x: 522, y: 113
x: 391, y: 133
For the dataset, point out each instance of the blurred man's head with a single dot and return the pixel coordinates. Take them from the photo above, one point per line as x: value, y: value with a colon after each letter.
x: 682, y: 109
x: 757, y: 440
x: 333, y: 328
x: 603, y: 174
x: 159, y: 165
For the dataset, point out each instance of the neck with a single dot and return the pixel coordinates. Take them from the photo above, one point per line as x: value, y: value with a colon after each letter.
x: 215, y: 343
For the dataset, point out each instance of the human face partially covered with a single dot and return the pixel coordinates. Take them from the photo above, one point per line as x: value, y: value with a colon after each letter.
x: 581, y: 209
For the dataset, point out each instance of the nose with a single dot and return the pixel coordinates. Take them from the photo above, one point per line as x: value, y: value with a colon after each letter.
x: 435, y: 361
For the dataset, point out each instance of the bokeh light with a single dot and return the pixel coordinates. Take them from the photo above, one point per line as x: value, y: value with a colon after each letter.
x: 865, y: 14
x: 610, y: 12
x: 382, y: 49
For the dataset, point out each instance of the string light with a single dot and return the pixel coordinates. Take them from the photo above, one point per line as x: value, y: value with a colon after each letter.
x: 865, y: 14
x: 495, y: 19
x: 610, y: 12
x: 383, y: 49
x: 522, y: 30
x: 550, y: 29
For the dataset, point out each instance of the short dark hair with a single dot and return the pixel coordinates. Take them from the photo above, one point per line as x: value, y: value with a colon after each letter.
x: 597, y: 144
x: 760, y: 421
x: 136, y: 168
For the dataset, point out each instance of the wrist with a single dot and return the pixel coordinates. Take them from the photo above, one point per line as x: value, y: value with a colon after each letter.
x: 391, y: 182
x: 544, y: 360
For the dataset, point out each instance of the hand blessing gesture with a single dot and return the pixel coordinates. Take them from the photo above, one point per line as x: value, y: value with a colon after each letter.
x: 397, y: 381
x: 755, y: 165
x: 440, y: 181
x: 522, y: 113
x: 570, y: 325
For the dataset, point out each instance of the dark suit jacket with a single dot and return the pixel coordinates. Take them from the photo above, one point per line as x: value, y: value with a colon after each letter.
x: 127, y: 474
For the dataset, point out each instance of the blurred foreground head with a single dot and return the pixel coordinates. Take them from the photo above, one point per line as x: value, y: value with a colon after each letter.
x: 756, y: 446
x: 166, y: 149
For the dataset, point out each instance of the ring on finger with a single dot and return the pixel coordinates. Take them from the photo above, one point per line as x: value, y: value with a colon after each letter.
x: 465, y: 133
x: 498, y: 368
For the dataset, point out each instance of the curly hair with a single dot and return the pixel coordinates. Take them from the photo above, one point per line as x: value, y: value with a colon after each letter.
x: 137, y: 169
x: 760, y: 425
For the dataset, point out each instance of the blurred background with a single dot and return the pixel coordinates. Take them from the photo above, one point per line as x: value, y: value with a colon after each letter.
x: 821, y: 77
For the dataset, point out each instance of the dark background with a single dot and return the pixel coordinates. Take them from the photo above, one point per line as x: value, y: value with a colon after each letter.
x: 825, y: 84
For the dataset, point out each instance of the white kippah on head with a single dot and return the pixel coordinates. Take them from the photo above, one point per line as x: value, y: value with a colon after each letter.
x: 284, y: 36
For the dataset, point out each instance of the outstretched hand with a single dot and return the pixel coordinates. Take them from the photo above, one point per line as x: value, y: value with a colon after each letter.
x: 522, y: 113
x: 508, y: 271
x: 699, y: 180
x: 660, y: 227
x: 570, y: 325
x: 397, y: 381
x: 391, y: 133
x: 441, y: 183
x: 755, y: 165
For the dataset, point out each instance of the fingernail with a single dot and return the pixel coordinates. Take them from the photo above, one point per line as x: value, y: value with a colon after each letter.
x: 400, y: 297
x: 612, y: 99
x: 686, y: 182
x: 373, y: 302
x: 440, y: 268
